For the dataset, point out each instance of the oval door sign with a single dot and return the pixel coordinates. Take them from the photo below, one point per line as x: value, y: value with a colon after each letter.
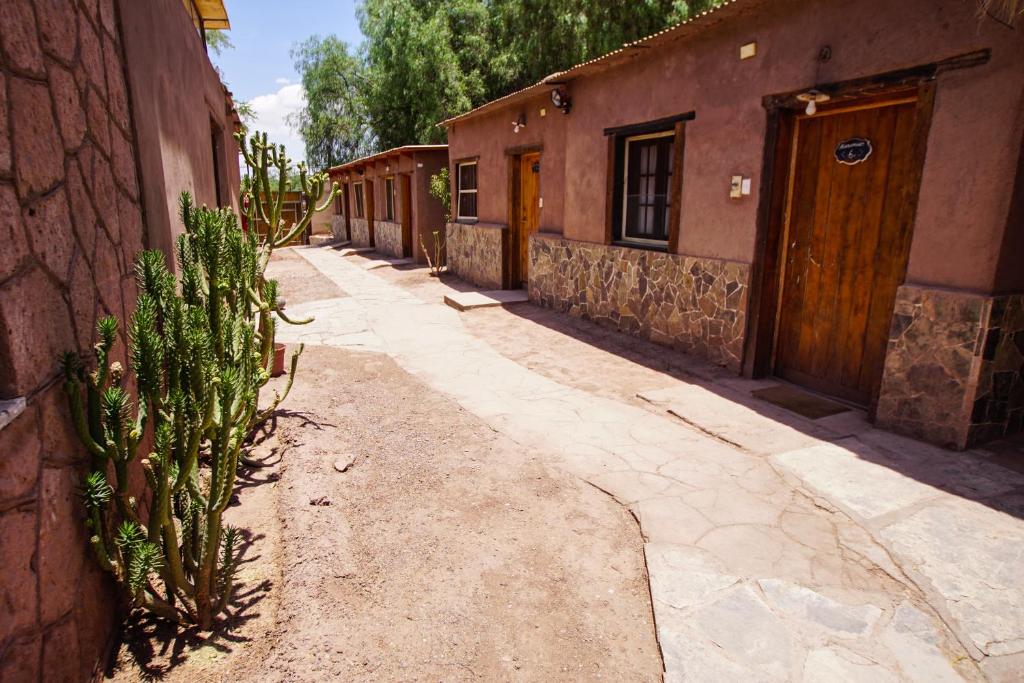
x: 853, y: 151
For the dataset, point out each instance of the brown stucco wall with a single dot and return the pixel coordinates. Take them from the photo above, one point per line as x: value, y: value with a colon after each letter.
x: 70, y: 226
x: 973, y: 146
x: 71, y: 223
x: 175, y: 95
x: 428, y: 213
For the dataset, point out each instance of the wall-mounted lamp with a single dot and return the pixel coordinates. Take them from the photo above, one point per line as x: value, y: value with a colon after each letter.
x: 560, y: 98
x: 519, y: 123
x: 812, y: 98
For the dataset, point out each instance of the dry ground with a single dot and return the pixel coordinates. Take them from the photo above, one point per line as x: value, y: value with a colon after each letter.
x: 444, y: 552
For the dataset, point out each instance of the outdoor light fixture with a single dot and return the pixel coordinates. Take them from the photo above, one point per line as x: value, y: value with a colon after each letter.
x: 560, y: 98
x: 812, y: 98
x: 519, y: 123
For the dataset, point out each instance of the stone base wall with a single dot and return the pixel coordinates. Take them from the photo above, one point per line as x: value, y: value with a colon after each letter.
x: 954, y: 367
x: 475, y: 252
x: 338, y: 228
x: 387, y: 238
x: 360, y: 236
x: 71, y: 225
x: 697, y: 305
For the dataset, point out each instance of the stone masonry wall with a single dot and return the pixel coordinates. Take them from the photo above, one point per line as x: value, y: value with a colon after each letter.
x: 360, y: 236
x: 338, y: 228
x: 475, y: 252
x: 697, y: 305
x: 387, y: 238
x: 70, y: 227
x: 954, y: 367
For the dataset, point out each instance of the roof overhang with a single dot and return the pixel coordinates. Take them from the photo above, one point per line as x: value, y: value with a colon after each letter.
x: 208, y: 14
x: 380, y: 156
x: 727, y: 11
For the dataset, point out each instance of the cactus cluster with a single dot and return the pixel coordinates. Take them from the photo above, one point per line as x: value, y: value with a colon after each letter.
x: 199, y: 349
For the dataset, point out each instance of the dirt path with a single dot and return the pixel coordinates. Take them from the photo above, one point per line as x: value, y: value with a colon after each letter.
x: 444, y: 552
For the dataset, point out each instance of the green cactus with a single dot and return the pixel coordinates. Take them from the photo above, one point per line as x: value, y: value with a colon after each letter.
x: 200, y: 350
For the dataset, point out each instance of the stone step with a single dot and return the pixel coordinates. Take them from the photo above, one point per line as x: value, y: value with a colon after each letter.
x: 467, y: 301
x: 387, y: 263
x: 321, y: 240
x: 352, y: 251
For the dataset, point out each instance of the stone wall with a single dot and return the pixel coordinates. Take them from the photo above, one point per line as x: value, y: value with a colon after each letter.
x: 70, y: 227
x: 338, y: 228
x: 387, y: 238
x: 953, y: 367
x: 697, y: 305
x: 360, y: 228
x: 475, y: 252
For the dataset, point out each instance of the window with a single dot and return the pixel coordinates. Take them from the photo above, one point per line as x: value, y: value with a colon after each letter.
x: 647, y: 188
x: 466, y: 177
x: 358, y: 190
x: 389, y: 198
x: 645, y: 182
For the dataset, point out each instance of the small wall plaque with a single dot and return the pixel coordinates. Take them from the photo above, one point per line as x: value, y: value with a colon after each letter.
x: 853, y: 151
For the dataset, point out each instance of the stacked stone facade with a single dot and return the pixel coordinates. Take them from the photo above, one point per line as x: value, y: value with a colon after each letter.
x: 387, y: 238
x: 338, y: 230
x: 953, y: 367
x: 475, y: 252
x: 697, y: 305
x: 361, y: 235
x: 70, y: 227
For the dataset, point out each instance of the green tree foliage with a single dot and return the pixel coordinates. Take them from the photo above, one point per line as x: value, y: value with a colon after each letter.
x: 334, y: 124
x: 426, y: 60
x: 217, y: 41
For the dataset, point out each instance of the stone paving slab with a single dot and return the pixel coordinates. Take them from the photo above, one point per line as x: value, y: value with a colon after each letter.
x: 761, y: 566
x: 467, y: 301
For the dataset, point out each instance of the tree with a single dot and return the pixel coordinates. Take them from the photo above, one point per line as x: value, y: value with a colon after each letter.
x: 217, y: 41
x: 334, y: 124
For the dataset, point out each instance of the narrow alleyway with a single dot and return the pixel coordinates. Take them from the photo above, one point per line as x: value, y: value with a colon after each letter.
x: 778, y: 548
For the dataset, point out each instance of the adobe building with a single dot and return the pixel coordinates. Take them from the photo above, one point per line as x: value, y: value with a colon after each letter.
x: 98, y: 135
x: 385, y: 200
x: 685, y: 190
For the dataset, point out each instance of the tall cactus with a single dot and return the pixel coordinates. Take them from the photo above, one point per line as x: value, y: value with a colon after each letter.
x: 200, y: 351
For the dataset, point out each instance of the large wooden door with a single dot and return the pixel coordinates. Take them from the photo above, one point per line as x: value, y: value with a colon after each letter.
x: 528, y: 218
x: 849, y: 217
x: 405, y: 186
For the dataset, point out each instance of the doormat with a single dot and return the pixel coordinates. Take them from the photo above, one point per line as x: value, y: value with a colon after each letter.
x: 800, y: 402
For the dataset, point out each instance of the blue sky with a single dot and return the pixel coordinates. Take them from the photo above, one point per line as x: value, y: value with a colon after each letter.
x: 259, y: 68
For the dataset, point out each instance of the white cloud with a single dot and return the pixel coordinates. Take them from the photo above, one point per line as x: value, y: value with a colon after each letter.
x: 272, y: 112
x: 282, y: 80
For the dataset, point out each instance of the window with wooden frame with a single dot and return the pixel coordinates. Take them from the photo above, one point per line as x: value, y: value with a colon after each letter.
x: 465, y: 174
x: 645, y: 184
x: 389, y: 198
x: 357, y: 190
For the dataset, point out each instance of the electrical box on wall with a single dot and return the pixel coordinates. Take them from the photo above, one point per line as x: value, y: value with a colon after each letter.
x: 739, y: 187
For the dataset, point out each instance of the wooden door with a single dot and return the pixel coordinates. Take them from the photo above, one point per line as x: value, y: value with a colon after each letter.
x: 405, y: 192
x: 528, y: 220
x: 849, y: 217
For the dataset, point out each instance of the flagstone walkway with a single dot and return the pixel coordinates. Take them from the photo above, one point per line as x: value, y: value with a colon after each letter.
x: 778, y: 548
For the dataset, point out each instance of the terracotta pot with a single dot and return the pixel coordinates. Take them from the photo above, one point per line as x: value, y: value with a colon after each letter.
x: 277, y: 369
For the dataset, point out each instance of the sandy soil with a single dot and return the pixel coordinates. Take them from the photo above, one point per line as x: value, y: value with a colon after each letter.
x: 444, y: 552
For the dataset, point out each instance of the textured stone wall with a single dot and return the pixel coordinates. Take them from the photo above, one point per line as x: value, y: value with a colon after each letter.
x: 360, y: 236
x: 953, y: 367
x: 475, y: 252
x: 697, y: 305
x: 387, y: 238
x: 338, y: 228
x: 70, y: 226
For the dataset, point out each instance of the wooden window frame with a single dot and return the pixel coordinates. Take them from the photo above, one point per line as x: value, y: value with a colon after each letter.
x: 459, y: 191
x: 622, y: 237
x: 618, y: 139
x: 389, y: 198
x: 359, y: 197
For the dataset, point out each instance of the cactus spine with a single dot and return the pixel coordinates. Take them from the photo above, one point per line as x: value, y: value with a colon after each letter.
x: 199, y: 350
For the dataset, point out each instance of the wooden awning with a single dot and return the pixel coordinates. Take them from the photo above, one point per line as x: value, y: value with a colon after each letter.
x: 208, y: 14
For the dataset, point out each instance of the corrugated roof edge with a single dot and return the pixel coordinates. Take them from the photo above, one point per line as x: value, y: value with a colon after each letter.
x: 714, y: 15
x: 341, y: 168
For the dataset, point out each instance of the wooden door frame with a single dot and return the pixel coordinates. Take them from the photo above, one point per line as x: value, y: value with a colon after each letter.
x: 405, y: 182
x: 776, y: 173
x: 510, y: 266
x: 368, y: 206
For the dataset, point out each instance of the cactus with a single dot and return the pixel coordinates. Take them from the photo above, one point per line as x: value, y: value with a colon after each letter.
x: 200, y: 350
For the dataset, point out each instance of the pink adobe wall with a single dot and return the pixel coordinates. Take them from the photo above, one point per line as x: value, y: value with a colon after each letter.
x: 428, y: 214
x: 176, y: 93
x: 973, y: 149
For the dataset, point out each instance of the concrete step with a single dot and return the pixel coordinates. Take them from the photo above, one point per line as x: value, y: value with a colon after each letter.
x: 387, y: 263
x: 352, y: 251
x: 321, y: 240
x: 467, y: 301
